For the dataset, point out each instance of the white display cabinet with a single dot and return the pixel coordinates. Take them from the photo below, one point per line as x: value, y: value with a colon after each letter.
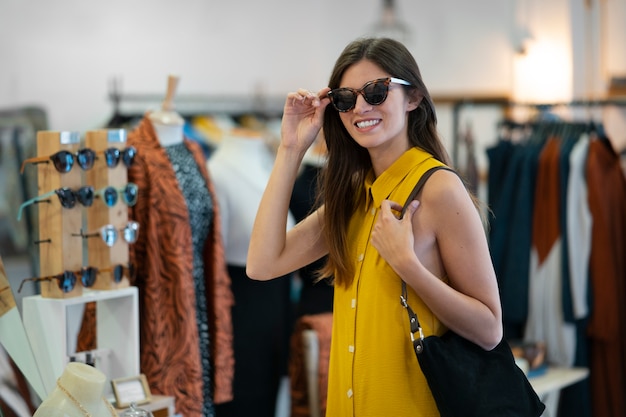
x: 52, y: 326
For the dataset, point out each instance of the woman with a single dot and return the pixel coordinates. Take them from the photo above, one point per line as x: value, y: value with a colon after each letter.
x: 380, y: 130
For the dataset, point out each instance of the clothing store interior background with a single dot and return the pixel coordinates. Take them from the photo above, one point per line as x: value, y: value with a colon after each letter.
x: 78, y: 66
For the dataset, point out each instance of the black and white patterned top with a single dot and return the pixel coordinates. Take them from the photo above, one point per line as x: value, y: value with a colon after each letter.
x: 201, y: 214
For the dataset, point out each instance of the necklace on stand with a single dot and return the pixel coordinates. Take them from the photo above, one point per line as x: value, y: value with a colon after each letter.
x: 80, y: 406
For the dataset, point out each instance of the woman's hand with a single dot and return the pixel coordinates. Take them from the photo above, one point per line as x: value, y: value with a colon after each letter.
x: 302, y: 119
x: 393, y: 237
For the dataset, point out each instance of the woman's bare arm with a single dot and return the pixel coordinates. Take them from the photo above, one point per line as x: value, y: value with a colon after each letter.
x: 273, y: 251
x: 447, y: 239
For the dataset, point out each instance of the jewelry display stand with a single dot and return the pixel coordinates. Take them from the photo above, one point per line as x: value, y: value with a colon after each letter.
x: 78, y: 393
x: 52, y: 319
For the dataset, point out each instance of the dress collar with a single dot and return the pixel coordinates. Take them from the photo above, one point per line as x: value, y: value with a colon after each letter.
x: 379, y: 189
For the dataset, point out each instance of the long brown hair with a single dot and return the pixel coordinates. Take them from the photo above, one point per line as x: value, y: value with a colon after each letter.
x: 348, y: 163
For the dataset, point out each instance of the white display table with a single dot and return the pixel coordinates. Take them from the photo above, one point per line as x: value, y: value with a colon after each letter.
x: 556, y: 379
x: 52, y: 325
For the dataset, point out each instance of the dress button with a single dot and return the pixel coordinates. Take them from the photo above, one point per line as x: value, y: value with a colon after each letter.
x: 349, y: 393
x: 353, y: 303
x: 360, y: 258
x: 373, y: 211
x: 351, y: 349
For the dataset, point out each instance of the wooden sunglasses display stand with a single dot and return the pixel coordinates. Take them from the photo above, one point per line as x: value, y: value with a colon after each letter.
x: 59, y: 247
x: 52, y: 319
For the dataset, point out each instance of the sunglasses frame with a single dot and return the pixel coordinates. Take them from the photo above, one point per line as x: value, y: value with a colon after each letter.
x: 61, y: 278
x: 87, y: 274
x: 113, y: 155
x: 75, y: 158
x: 119, y: 192
x: 117, y: 272
x: 60, y: 192
x: 361, y: 91
x: 109, y: 230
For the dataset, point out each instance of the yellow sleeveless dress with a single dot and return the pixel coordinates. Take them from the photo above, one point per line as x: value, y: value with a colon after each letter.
x: 373, y: 369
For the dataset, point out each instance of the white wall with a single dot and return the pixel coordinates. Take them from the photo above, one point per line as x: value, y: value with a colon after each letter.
x: 62, y: 53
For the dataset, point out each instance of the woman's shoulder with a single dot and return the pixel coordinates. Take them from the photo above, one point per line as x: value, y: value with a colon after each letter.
x: 444, y: 187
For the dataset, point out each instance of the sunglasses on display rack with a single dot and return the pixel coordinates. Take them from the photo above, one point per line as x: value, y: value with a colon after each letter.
x: 109, y: 195
x: 112, y: 156
x: 118, y: 271
x: 67, y: 197
x: 110, y: 233
x: 374, y: 92
x: 64, y: 160
x: 67, y: 279
x: 85, y: 196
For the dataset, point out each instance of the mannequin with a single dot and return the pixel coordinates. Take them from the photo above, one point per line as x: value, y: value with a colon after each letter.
x: 78, y: 394
x: 184, y: 288
x: 168, y: 124
x: 185, y: 297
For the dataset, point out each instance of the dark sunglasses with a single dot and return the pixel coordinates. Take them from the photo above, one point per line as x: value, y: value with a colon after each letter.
x: 374, y: 92
x: 112, y: 156
x: 110, y: 233
x: 67, y: 279
x: 64, y: 160
x: 119, y: 270
x: 67, y: 197
x: 109, y: 195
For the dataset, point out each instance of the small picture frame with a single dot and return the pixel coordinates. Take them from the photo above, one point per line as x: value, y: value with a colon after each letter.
x: 129, y: 390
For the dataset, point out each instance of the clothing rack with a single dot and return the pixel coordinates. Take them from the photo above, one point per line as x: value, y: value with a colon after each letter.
x: 189, y: 105
x: 507, y: 105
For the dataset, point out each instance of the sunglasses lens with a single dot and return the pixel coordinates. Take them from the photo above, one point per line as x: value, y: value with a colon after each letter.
x: 118, y: 273
x: 63, y: 161
x: 85, y: 196
x: 131, y: 232
x: 130, y: 194
x: 88, y: 276
x: 86, y: 158
x: 112, y: 157
x: 128, y: 155
x: 109, y: 235
x: 109, y: 196
x: 67, y: 281
x: 376, y: 92
x: 343, y: 99
x: 66, y: 197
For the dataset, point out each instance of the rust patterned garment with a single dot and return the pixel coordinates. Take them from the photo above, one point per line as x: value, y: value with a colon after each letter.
x: 322, y: 324
x: 170, y: 347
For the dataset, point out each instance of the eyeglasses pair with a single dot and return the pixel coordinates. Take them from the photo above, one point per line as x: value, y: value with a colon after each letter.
x: 109, y: 195
x: 67, y: 197
x: 112, y: 156
x: 85, y: 196
x: 374, y: 92
x: 66, y: 280
x: 64, y: 160
x: 110, y: 234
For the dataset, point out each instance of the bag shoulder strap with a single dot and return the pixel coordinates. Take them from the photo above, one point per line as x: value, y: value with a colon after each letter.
x: 418, y: 344
x: 420, y: 184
